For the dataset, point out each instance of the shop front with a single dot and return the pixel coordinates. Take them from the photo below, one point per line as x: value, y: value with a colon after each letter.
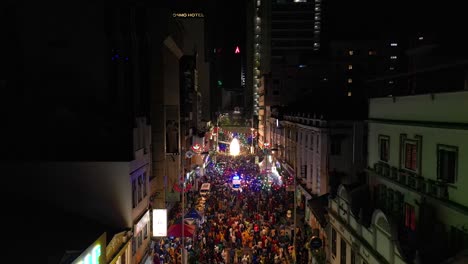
x: 95, y: 253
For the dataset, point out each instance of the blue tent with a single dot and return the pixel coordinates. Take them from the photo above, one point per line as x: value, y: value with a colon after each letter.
x: 194, y: 214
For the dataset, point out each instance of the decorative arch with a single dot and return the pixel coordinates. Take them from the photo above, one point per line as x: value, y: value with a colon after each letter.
x: 380, y: 220
x: 343, y: 193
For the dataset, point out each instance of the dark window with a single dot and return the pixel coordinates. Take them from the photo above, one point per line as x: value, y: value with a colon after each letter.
x: 145, y: 231
x: 144, y: 185
x: 343, y: 252
x: 353, y: 257
x: 411, y: 156
x: 333, y: 242
x: 140, y: 188
x: 458, y: 239
x: 410, y: 217
x: 134, y: 247
x: 384, y: 144
x: 447, y: 163
x: 134, y: 194
x: 335, y: 147
x: 276, y: 81
x: 275, y: 92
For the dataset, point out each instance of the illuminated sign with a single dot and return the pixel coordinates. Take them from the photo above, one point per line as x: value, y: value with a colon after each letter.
x: 188, y: 15
x: 93, y: 257
x: 94, y: 253
x: 159, y: 222
x: 142, y: 223
x: 237, y: 51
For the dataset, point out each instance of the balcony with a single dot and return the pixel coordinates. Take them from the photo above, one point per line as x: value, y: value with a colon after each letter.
x: 411, y: 180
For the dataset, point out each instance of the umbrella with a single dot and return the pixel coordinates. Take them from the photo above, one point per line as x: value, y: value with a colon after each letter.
x: 193, y: 214
x: 175, y: 230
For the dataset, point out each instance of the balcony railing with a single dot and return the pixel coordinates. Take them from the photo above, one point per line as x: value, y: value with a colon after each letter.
x: 411, y: 180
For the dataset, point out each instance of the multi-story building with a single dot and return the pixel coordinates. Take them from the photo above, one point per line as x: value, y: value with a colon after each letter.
x: 415, y: 185
x: 99, y: 146
x: 320, y: 153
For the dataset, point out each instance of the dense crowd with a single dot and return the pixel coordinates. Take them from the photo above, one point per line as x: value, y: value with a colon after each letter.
x: 238, y: 226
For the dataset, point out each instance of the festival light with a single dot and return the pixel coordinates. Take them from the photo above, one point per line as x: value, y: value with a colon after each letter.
x: 234, y: 148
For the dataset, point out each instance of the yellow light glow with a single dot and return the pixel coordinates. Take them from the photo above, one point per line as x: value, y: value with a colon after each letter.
x: 234, y: 148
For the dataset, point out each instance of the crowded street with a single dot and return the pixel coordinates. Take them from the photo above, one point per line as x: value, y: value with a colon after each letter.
x: 249, y: 222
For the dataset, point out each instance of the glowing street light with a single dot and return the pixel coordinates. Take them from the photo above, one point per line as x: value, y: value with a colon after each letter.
x: 234, y: 148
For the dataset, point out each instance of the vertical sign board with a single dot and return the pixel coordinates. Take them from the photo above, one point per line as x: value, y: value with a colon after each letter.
x: 172, y: 129
x: 159, y: 222
x: 94, y: 254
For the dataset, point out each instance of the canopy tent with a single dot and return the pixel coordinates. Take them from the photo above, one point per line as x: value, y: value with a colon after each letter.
x: 175, y: 230
x: 193, y: 214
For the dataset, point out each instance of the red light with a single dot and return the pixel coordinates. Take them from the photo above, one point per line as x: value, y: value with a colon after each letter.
x: 237, y: 50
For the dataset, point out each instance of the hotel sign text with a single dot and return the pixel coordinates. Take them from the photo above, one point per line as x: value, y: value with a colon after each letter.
x: 188, y: 15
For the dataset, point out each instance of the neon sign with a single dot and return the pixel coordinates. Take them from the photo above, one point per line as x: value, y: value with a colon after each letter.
x: 93, y: 257
x: 237, y: 51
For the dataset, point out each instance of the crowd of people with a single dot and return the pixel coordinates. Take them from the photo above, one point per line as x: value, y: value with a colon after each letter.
x: 246, y: 225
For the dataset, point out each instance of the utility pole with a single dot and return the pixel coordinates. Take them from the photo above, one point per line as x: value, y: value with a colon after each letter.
x: 294, y: 228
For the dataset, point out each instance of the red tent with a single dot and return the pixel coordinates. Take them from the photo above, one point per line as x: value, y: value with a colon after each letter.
x: 175, y: 230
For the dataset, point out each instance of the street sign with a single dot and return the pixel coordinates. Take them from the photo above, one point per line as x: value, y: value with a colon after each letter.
x: 189, y: 154
x: 315, y: 242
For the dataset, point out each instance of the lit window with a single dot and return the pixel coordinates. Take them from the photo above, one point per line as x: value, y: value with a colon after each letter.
x: 349, y: 94
x: 371, y: 52
x: 393, y: 57
x: 350, y: 67
x: 411, y: 156
x: 350, y: 80
x: 394, y: 44
x: 351, y: 52
x: 390, y: 82
x: 421, y: 38
x: 391, y: 68
x: 258, y: 2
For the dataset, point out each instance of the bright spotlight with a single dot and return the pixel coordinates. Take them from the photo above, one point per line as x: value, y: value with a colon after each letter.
x: 234, y: 148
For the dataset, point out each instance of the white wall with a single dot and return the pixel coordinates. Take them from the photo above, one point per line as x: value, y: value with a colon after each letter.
x: 445, y: 107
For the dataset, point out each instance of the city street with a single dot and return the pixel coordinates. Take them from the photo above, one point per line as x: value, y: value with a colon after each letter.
x: 249, y: 224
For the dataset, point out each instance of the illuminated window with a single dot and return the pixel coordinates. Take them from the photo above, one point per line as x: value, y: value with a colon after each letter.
x: 394, y: 44
x: 410, y: 217
x: 421, y: 38
x: 350, y: 80
x: 411, y: 155
x: 349, y: 94
x: 372, y: 52
x: 258, y: 2
x: 390, y: 82
x: 393, y: 57
x: 391, y: 68
x: 350, y: 67
x: 351, y: 52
